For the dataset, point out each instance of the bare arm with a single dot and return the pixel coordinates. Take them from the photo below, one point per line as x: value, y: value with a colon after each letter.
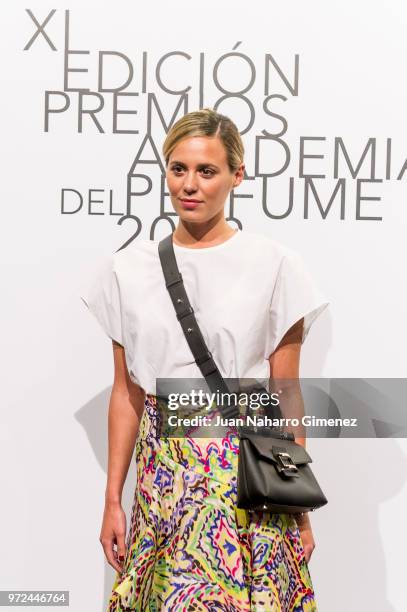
x: 285, y: 364
x: 125, y: 411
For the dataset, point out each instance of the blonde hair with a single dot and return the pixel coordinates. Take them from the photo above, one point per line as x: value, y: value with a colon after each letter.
x: 207, y: 122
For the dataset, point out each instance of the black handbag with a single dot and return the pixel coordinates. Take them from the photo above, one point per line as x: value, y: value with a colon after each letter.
x: 273, y: 470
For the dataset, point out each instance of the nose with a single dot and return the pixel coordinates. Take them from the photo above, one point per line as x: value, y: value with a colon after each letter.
x: 189, y: 185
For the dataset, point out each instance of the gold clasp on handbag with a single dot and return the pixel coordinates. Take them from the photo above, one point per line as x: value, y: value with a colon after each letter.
x: 284, y: 462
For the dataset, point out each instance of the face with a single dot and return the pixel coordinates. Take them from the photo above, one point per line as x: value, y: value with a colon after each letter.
x: 199, y: 179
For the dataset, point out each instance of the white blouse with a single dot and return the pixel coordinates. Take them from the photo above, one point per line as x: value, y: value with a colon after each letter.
x: 246, y: 292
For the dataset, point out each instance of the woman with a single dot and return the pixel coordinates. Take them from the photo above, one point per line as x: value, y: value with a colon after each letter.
x: 188, y: 546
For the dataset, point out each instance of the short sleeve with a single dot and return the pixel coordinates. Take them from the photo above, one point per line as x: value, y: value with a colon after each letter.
x: 102, y: 298
x: 295, y: 296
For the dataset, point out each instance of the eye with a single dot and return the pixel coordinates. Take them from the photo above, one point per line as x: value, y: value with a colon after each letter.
x: 176, y: 168
x: 211, y: 172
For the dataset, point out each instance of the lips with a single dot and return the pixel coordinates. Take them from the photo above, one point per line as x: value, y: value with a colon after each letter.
x: 190, y: 204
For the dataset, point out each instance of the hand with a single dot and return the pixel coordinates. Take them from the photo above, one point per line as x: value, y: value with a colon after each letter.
x: 307, y: 536
x: 113, y: 532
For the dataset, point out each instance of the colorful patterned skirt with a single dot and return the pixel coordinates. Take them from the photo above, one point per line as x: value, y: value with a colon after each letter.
x: 189, y: 548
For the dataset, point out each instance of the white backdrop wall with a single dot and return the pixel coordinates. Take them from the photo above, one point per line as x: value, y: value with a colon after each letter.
x: 322, y: 115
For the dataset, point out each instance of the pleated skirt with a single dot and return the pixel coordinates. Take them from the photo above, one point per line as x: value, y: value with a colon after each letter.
x: 189, y: 548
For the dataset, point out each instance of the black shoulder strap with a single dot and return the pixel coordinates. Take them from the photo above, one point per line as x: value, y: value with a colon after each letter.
x: 186, y: 317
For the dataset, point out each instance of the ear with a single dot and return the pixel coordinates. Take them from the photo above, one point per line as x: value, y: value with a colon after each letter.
x: 239, y: 174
